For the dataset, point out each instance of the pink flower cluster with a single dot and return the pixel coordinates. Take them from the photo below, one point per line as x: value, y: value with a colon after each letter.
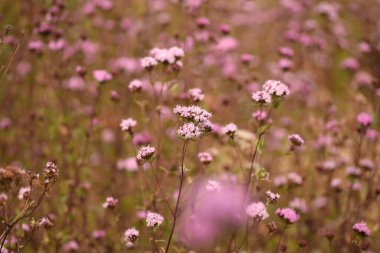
x: 288, y: 215
x: 361, y: 228
x: 102, y: 76
x: 127, y: 125
x: 276, y: 88
x: 130, y: 236
x: 196, y: 95
x: 205, y: 157
x: 199, y: 121
x: 145, y: 153
x: 163, y: 55
x: 110, y: 203
x: 257, y: 211
x: 154, y: 219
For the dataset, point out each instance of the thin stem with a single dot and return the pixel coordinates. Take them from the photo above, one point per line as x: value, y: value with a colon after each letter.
x: 178, y: 197
x: 239, y: 160
x: 160, y: 188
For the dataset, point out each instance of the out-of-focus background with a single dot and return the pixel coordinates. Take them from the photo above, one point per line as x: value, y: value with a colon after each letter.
x: 53, y: 108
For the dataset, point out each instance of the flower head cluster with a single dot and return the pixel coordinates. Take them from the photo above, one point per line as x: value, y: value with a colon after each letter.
x: 148, y: 62
x: 154, y: 219
x: 230, y: 129
x: 131, y: 235
x: 366, y: 164
x: 145, y: 153
x: 364, y: 119
x: 196, y: 95
x: 361, y: 228
x: 272, y: 197
x: 276, y: 88
x: 127, y: 125
x: 198, y: 121
x: 24, y: 193
x: 295, y: 140
x: 260, y: 115
x: 194, y: 114
x: 45, y: 222
x: 98, y: 234
x: 50, y: 172
x: 189, y: 131
x: 299, y: 204
x: 167, y: 55
x: 213, y: 186
x: 288, y: 215
x: 257, y: 211
x: 110, y: 203
x: 102, y: 76
x: 135, y: 85
x: 294, y: 178
x: 205, y: 157
x: 163, y: 55
x: 262, y: 97
x: 353, y: 171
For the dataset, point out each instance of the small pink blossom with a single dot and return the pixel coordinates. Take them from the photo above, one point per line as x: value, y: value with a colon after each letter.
x: 288, y: 215
x: 102, y: 76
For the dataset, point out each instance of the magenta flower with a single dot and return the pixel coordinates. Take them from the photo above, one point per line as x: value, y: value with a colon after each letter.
x: 288, y: 215
x: 364, y: 119
x: 102, y: 76
x: 362, y: 229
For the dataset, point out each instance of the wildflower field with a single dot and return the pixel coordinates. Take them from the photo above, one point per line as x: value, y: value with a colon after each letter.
x: 194, y: 126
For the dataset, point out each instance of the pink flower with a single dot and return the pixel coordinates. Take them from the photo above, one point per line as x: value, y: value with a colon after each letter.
x: 75, y: 83
x: 98, y: 234
x: 350, y: 64
x: 276, y: 88
x: 364, y: 119
x: 131, y: 235
x: 294, y: 178
x: 262, y: 97
x: 285, y: 64
x: 71, y: 246
x: 110, y: 203
x: 299, y: 204
x: 288, y: 215
x: 145, y: 153
x: 127, y: 125
x: 129, y: 164
x: 257, y: 211
x: 260, y: 115
x: 272, y: 197
x: 296, y: 140
x: 362, y: 229
x: 56, y: 45
x: 102, y: 76
x: 286, y: 52
x: 135, y: 85
x: 246, y: 58
x: 154, y: 219
x: 205, y: 158
x: 196, y: 95
x: 189, y: 131
x: 24, y: 193
x: 148, y: 63
x: 229, y: 129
